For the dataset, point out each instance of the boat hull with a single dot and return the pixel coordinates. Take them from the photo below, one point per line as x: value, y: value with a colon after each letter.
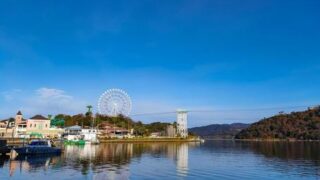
x: 4, y: 150
x: 37, y: 150
x: 74, y: 142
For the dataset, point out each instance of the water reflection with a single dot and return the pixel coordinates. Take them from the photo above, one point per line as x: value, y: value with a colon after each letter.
x: 182, y: 159
x: 109, y: 161
x: 281, y: 150
x: 296, y: 158
x: 147, y: 160
x: 28, y: 163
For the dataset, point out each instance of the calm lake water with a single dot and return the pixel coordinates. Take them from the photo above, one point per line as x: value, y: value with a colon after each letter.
x: 210, y: 160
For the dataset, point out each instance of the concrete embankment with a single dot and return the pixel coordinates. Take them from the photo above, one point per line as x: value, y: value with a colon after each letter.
x: 21, y: 141
x: 151, y: 140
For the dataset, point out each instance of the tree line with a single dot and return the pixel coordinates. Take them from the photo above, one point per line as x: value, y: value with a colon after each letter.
x: 296, y: 125
x: 87, y: 120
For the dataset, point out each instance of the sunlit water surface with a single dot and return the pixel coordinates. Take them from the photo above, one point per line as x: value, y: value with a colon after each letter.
x: 210, y: 160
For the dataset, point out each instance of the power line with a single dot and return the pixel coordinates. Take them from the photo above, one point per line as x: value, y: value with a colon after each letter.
x: 252, y: 109
x: 155, y: 113
x: 227, y: 110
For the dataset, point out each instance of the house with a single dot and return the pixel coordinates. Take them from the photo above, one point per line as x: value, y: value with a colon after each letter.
x: 13, y: 127
x: 105, y: 129
x: 38, y: 123
x: 6, y: 127
x: 20, y: 127
x: 108, y: 130
x: 155, y: 134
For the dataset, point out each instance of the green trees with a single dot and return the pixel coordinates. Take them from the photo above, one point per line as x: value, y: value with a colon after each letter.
x: 297, y: 125
x: 140, y: 129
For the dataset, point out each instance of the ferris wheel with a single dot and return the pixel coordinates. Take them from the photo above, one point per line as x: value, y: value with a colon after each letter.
x: 114, y: 102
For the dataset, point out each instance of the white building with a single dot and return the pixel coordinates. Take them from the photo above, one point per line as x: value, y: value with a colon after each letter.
x: 182, y: 123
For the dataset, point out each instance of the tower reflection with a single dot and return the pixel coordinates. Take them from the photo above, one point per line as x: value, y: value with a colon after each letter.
x: 182, y: 159
x: 104, y: 161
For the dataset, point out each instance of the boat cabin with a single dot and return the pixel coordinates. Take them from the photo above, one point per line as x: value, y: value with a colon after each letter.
x: 73, y: 130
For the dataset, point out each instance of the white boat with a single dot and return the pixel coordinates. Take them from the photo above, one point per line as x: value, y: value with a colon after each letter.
x: 90, y: 136
x: 73, y: 135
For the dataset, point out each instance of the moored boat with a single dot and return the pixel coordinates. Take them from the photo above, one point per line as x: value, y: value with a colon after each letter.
x: 38, y: 147
x: 73, y: 136
x: 74, y: 141
x: 90, y: 136
x: 4, y: 149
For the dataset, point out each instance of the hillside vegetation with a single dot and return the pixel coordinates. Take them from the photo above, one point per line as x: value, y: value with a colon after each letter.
x: 296, y: 125
x: 219, y: 131
x: 141, y: 129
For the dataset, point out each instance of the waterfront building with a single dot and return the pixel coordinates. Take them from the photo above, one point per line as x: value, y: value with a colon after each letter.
x: 171, y: 131
x: 20, y: 127
x: 9, y: 127
x: 107, y: 130
x: 7, y: 123
x: 155, y: 134
x: 182, y: 124
x: 6, y: 127
x: 3, y: 124
x: 38, y: 123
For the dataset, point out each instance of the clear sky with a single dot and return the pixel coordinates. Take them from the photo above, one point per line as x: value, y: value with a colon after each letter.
x: 58, y: 56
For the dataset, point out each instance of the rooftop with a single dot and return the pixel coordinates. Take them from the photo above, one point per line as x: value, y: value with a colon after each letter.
x: 39, y: 117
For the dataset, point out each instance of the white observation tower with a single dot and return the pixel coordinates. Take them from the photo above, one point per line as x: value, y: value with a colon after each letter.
x: 182, y: 123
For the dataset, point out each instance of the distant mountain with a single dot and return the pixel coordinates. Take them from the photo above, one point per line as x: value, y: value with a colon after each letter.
x: 297, y: 125
x: 219, y: 131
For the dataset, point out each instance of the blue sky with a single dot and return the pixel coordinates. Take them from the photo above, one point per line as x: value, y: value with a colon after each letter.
x: 60, y: 56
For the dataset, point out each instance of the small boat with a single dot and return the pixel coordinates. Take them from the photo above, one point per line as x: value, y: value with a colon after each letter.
x: 38, y: 147
x: 4, y: 148
x: 73, y: 136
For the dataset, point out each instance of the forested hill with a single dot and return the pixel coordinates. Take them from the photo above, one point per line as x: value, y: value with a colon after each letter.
x: 219, y: 131
x: 297, y: 125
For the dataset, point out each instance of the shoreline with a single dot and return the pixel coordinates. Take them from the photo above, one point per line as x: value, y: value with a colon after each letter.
x: 19, y: 141
x: 276, y: 140
x: 150, y: 140
x: 262, y: 140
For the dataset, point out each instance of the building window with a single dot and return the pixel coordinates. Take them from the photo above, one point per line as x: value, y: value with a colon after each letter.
x: 30, y: 125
